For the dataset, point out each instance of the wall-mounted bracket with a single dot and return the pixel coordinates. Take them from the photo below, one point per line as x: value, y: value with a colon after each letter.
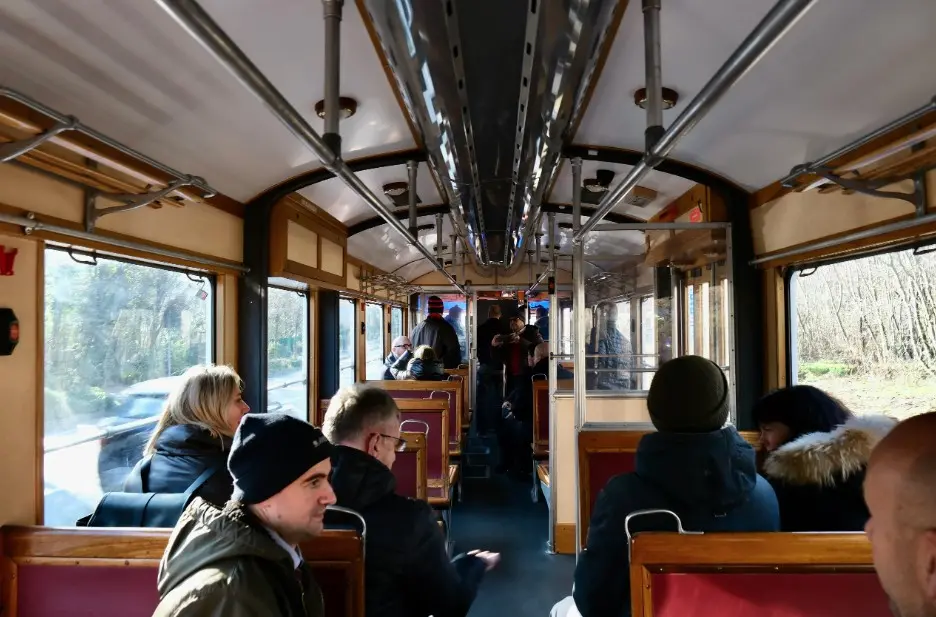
x: 13, y: 149
x: 872, y: 187
x: 131, y: 201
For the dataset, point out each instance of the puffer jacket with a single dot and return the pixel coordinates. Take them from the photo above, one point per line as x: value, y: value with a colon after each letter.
x: 183, y: 452
x: 421, y: 370
x: 407, y: 570
x: 818, y: 476
x: 441, y: 336
x: 224, y: 563
x: 391, y: 362
x: 709, y: 480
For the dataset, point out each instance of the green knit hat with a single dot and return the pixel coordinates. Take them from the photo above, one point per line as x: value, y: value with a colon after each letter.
x: 688, y: 394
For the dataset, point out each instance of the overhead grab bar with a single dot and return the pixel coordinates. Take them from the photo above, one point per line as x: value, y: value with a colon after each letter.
x: 774, y: 25
x: 191, y: 16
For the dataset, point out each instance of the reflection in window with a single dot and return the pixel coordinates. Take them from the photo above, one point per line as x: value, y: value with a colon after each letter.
x: 862, y: 330
x: 287, y: 358
x: 116, y: 335
x: 455, y: 315
x: 648, y: 340
x: 396, y: 322
x: 347, y: 337
x: 374, y: 340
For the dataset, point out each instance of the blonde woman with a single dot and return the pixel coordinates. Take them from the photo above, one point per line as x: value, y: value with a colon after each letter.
x: 194, y: 433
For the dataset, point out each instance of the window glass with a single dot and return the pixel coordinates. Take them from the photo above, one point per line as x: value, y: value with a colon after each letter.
x: 863, y: 331
x: 117, y: 336
x: 396, y: 322
x: 288, y: 359
x: 347, y: 339
x: 648, y: 339
x: 374, y: 339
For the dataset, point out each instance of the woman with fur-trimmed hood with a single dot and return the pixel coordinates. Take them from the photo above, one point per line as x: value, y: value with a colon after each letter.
x: 817, y: 452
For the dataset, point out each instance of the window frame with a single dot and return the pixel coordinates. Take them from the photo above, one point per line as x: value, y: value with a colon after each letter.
x: 306, y: 294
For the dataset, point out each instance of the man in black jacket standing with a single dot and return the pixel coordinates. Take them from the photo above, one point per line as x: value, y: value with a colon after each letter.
x: 407, y: 571
x: 438, y: 334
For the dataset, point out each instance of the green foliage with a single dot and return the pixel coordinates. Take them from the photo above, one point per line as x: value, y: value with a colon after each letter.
x: 824, y: 368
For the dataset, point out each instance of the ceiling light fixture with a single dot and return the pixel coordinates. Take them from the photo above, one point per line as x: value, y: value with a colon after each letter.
x: 346, y: 105
x: 395, y: 189
x: 670, y: 98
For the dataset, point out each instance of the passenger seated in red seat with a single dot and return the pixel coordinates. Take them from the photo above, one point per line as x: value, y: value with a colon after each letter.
x: 902, y: 528
x: 422, y: 366
x: 818, y: 451
x: 693, y: 465
x: 194, y: 432
x: 244, y: 560
x: 407, y: 572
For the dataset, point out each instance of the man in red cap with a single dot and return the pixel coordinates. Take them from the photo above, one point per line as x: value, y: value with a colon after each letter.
x: 438, y: 334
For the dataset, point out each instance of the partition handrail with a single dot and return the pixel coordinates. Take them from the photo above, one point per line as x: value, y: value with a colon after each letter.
x: 191, y: 16
x: 774, y: 25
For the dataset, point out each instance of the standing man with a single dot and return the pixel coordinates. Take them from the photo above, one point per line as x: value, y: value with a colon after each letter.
x: 490, y: 373
x: 900, y: 490
x: 438, y: 334
x: 244, y: 560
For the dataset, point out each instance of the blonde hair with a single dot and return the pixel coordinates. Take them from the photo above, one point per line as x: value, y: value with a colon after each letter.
x: 424, y: 353
x: 201, y: 399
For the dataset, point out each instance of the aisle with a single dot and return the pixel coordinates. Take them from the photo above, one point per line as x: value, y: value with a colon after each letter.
x: 497, y: 514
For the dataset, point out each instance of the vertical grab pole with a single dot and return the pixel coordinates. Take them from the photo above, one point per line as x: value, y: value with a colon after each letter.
x: 578, y: 311
x: 554, y: 348
x: 654, y: 72
x: 332, y: 74
x: 438, y: 247
x: 411, y: 167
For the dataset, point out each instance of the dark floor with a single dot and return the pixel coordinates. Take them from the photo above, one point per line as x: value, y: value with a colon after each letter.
x: 497, y: 514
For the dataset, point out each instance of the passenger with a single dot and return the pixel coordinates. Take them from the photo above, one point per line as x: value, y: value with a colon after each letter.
x: 542, y: 321
x: 694, y: 465
x: 606, y: 340
x: 407, y: 572
x: 438, y: 334
x: 490, y: 373
x: 400, y: 351
x: 423, y: 366
x: 194, y: 433
x: 454, y: 317
x: 902, y: 528
x: 514, y: 349
x: 817, y: 453
x: 244, y: 559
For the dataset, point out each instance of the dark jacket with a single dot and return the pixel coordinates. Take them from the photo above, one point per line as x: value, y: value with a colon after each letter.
x: 440, y: 335
x: 486, y: 333
x: 392, y: 361
x: 421, y: 370
x: 514, y: 355
x: 223, y: 563
x: 407, y: 571
x: 521, y: 397
x: 818, y: 476
x: 708, y: 479
x: 182, y: 453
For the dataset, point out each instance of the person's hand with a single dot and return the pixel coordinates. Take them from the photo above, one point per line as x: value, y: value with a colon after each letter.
x: 490, y: 559
x: 497, y: 342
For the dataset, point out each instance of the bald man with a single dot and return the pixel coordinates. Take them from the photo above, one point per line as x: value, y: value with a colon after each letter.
x: 900, y: 490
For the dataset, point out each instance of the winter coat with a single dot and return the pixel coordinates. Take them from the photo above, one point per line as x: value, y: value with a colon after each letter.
x: 407, y: 570
x: 183, y: 452
x: 709, y: 480
x: 224, y: 563
x: 440, y: 335
x: 486, y: 332
x: 818, y: 476
x: 421, y: 370
x: 391, y: 362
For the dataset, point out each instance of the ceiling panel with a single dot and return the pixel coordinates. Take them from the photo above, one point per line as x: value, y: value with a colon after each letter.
x: 386, y: 249
x: 668, y: 187
x: 344, y: 204
x: 845, y: 68
x: 127, y: 69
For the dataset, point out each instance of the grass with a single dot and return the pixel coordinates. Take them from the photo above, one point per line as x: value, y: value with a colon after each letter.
x: 903, y: 395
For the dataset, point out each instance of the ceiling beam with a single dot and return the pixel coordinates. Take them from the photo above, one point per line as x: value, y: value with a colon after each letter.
x: 401, y: 213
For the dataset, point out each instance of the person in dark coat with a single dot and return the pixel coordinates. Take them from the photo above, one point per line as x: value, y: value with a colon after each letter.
x: 817, y: 455
x: 439, y: 334
x: 490, y: 373
x: 694, y: 465
x: 542, y: 321
x: 423, y: 366
x: 407, y: 571
x: 194, y: 432
x: 401, y: 350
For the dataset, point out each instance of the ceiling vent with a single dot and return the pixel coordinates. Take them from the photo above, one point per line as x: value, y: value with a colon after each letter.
x: 596, y: 187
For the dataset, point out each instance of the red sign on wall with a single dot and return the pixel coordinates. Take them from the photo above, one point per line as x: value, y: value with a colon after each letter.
x: 695, y: 215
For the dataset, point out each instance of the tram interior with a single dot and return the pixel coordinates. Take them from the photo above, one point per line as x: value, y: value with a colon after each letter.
x: 187, y: 183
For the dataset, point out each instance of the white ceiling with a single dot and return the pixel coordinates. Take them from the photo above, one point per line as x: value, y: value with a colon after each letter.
x: 845, y: 68
x: 127, y: 69
x: 386, y: 249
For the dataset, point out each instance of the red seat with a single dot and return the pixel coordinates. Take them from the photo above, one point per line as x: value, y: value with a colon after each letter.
x: 410, y: 466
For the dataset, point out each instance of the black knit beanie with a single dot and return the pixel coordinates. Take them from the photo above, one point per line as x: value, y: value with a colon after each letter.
x: 688, y: 394
x: 269, y: 452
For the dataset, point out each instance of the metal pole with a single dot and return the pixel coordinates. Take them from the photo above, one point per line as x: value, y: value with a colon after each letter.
x: 658, y: 226
x: 852, y: 237
x: 452, y: 239
x: 438, y: 247
x: 780, y: 18
x: 332, y: 73
x: 32, y: 224
x: 551, y: 218
x: 654, y: 72
x: 577, y: 199
x: 411, y: 168
x: 578, y: 313
x: 554, y: 349
x: 203, y: 28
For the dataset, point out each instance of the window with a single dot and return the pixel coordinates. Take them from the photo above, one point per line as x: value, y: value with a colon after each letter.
x: 374, y: 340
x: 863, y: 331
x: 347, y: 342
x: 117, y: 334
x: 287, y: 352
x: 396, y: 322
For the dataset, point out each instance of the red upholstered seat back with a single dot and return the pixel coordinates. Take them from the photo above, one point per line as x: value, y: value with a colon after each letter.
x: 410, y: 467
x: 436, y: 450
x: 53, y: 590
x: 432, y: 388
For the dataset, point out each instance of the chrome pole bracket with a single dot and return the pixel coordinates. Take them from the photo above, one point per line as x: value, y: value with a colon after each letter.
x: 13, y: 149
x: 130, y: 201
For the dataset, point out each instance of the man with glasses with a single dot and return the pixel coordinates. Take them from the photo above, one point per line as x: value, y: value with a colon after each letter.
x: 407, y: 571
x: 401, y: 352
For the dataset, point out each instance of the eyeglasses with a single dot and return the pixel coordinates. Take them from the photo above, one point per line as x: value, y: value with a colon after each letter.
x: 400, y: 442
x: 406, y: 346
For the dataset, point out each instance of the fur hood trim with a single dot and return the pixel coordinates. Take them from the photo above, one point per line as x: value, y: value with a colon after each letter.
x: 828, y: 458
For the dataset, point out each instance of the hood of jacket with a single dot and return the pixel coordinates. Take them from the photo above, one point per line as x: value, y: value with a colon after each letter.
x: 358, y: 479
x: 827, y: 458
x: 423, y: 369
x: 206, y: 535
x: 713, y: 471
x: 190, y: 440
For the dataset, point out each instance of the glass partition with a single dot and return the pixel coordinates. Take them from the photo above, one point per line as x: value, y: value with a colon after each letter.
x: 374, y: 341
x: 347, y: 342
x: 396, y: 322
x: 287, y: 355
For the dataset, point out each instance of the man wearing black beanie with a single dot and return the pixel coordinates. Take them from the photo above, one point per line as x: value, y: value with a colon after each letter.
x: 244, y: 560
